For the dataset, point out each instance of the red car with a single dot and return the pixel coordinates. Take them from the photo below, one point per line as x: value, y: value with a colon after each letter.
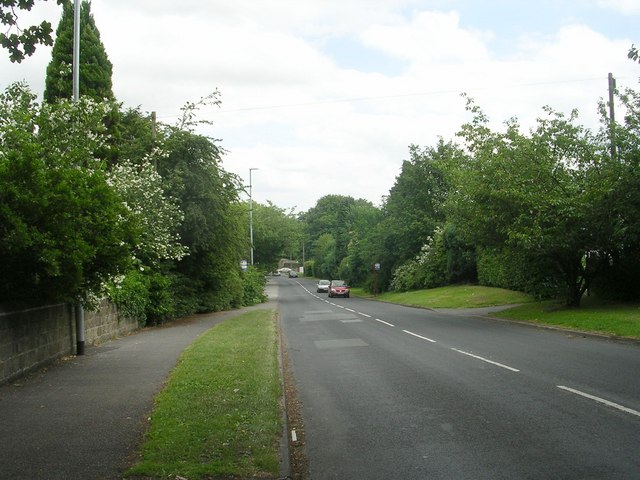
x: 338, y: 288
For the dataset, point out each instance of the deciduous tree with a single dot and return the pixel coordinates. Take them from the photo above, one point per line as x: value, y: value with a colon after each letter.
x: 535, y: 193
x: 63, y: 230
x: 22, y: 42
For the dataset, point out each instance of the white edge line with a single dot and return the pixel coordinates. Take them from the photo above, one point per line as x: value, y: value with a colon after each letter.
x: 419, y: 336
x: 364, y: 314
x: 386, y: 323
x: 349, y: 310
x: 486, y: 360
x: 600, y: 400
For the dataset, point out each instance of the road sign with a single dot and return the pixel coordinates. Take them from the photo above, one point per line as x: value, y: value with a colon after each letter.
x: 243, y: 264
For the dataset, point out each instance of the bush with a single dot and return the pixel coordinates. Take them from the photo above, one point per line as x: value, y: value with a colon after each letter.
x: 131, y: 295
x: 427, y: 270
x: 310, y: 268
x: 63, y: 230
x: 407, y: 277
x: 161, y: 306
x: 513, y: 270
x: 253, y: 283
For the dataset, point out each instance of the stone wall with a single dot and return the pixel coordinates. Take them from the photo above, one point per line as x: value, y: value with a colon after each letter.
x: 34, y: 337
x: 106, y: 324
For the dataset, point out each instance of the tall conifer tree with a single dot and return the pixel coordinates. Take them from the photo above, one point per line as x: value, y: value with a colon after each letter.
x: 95, y: 67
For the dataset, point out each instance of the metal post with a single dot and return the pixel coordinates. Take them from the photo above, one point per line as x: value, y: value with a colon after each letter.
x: 79, y: 329
x: 79, y: 309
x: 375, y: 292
x: 76, y: 49
x: 154, y: 130
x: 251, y: 212
x: 612, y: 118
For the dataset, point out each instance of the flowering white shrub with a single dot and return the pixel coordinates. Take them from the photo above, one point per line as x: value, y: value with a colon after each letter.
x: 157, y: 215
x: 74, y: 130
x: 425, y: 269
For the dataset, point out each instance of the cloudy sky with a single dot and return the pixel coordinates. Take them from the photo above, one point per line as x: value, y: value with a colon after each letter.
x: 325, y: 96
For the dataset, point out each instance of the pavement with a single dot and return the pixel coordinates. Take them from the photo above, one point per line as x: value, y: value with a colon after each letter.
x: 84, y: 417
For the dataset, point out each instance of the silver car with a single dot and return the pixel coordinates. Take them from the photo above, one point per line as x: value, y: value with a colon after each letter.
x: 323, y: 286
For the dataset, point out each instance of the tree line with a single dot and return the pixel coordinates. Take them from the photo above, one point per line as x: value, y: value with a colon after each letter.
x: 554, y: 212
x: 97, y: 200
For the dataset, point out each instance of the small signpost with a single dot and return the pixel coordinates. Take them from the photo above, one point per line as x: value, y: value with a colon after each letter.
x: 243, y: 265
x: 375, y: 269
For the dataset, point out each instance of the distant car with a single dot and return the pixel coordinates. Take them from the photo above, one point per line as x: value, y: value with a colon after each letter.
x: 293, y: 274
x: 338, y: 288
x: 323, y: 286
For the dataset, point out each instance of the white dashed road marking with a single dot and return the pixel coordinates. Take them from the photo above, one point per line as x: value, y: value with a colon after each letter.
x: 386, y: 323
x: 600, y: 400
x: 486, y: 360
x: 419, y: 336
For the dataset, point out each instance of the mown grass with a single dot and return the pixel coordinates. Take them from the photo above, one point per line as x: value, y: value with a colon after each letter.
x: 219, y: 414
x: 459, y: 296
x: 605, y: 318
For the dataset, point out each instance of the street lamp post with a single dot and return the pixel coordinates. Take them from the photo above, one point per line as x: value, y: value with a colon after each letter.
x: 251, y: 212
x: 79, y: 310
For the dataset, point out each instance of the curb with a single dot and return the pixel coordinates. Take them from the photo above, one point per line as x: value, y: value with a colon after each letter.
x: 285, y: 451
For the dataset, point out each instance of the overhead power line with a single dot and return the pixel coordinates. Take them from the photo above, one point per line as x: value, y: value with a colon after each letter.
x: 402, y: 95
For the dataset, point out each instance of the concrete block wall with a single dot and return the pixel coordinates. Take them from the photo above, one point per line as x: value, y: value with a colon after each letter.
x: 34, y: 337
x: 106, y: 324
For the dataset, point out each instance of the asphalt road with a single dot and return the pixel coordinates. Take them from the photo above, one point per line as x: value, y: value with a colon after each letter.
x: 391, y: 392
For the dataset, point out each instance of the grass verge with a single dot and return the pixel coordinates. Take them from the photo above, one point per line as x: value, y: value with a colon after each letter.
x: 610, y: 319
x: 458, y: 296
x: 219, y: 415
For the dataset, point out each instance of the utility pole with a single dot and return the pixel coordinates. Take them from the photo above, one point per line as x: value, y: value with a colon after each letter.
x: 76, y: 96
x: 154, y: 128
x: 251, y: 212
x: 612, y: 118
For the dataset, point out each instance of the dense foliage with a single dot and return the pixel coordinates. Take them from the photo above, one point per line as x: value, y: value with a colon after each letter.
x: 22, y: 41
x: 63, y: 230
x: 277, y: 234
x: 550, y: 212
x: 209, y: 277
x: 162, y: 232
x: 95, y: 200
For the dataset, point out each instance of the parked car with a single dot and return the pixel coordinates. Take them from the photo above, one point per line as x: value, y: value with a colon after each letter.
x: 323, y: 286
x: 339, y: 288
x: 293, y: 274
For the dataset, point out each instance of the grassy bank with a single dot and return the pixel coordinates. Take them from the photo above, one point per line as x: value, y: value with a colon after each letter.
x: 219, y: 414
x: 459, y: 296
x: 609, y: 319
x: 593, y: 316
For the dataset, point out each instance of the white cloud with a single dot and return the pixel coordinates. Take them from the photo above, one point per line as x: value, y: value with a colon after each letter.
x: 624, y: 6
x: 428, y: 37
x: 307, y: 142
